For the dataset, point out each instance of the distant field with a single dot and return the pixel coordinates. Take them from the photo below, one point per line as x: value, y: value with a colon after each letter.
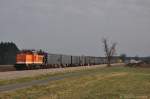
x: 98, y: 83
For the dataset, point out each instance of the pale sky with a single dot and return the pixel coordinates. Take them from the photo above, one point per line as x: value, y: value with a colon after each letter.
x: 77, y: 26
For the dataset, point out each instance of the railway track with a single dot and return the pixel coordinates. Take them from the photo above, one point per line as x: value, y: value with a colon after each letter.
x: 7, y: 68
x: 4, y: 68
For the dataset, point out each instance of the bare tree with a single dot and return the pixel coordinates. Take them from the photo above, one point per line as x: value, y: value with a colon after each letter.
x: 109, y: 51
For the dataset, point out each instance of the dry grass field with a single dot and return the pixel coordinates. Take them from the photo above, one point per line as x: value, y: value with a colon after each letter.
x: 98, y: 83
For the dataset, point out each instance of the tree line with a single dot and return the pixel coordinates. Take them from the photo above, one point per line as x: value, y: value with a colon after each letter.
x: 8, y: 51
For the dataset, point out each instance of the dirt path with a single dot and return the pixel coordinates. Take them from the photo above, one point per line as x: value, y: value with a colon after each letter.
x: 13, y: 87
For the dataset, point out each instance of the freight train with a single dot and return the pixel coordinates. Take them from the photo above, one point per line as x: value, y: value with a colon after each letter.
x: 31, y: 59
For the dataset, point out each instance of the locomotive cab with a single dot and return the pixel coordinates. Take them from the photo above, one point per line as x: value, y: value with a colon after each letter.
x: 29, y: 60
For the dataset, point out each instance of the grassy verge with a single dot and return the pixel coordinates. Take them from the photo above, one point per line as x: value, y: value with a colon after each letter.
x: 106, y: 83
x: 27, y: 79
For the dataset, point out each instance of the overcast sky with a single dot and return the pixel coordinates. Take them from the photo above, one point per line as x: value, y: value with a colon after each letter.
x: 77, y: 26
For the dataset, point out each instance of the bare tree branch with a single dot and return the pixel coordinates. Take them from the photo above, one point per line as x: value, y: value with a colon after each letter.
x: 109, y: 51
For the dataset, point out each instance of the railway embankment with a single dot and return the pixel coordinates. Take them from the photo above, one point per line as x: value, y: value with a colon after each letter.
x: 32, y: 73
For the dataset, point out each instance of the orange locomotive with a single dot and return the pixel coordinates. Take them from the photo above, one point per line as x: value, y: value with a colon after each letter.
x: 29, y: 59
